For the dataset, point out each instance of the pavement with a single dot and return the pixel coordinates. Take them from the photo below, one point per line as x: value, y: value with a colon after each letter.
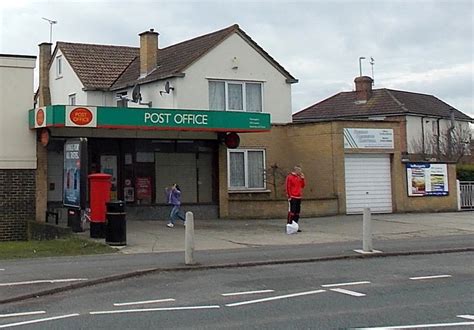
x: 153, y: 247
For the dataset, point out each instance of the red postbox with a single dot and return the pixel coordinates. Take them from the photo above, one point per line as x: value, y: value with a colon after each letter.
x: 99, y: 185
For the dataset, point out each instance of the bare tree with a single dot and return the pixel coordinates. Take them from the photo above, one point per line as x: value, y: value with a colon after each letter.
x: 275, y: 176
x: 450, y: 145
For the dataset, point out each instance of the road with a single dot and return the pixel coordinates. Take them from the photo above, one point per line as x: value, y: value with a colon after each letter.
x: 394, y: 291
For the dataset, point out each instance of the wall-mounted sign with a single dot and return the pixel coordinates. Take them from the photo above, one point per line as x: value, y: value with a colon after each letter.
x: 153, y: 119
x: 425, y: 179
x: 40, y: 117
x: 143, y: 189
x: 75, y: 173
x: 81, y: 116
x: 368, y: 138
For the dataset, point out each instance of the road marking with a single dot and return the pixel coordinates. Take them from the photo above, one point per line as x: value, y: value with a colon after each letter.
x: 143, y: 302
x: 417, y: 326
x: 429, y: 277
x: 246, y: 292
x: 344, y: 284
x: 2, y: 269
x: 22, y: 314
x: 44, y: 281
x: 274, y: 298
x: 155, y: 309
x: 467, y: 317
x: 38, y: 320
x: 349, y: 292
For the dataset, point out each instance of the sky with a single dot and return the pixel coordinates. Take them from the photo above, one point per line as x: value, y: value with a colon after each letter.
x: 423, y: 46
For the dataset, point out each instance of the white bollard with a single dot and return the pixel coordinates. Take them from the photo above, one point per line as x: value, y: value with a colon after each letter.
x: 367, y: 230
x: 189, y: 239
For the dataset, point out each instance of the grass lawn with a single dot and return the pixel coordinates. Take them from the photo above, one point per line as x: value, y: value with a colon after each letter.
x: 69, y: 246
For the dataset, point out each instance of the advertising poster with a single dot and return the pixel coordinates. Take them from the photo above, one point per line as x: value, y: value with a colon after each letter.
x: 426, y: 179
x: 75, y: 173
x: 143, y: 189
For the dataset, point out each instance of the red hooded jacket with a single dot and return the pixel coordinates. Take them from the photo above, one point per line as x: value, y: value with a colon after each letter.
x: 294, y: 185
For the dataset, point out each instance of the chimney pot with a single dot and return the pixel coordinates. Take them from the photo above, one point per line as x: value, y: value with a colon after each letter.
x: 363, y: 86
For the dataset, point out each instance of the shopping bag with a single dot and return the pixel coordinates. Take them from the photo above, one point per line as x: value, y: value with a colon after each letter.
x: 292, y: 228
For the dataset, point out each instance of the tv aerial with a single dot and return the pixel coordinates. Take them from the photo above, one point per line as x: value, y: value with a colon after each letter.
x: 372, y: 62
x: 51, y: 23
x: 168, y: 88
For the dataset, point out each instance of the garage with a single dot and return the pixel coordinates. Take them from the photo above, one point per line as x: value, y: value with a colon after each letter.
x: 368, y: 183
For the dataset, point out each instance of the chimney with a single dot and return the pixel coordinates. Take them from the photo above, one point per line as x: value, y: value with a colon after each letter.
x: 148, y: 51
x: 363, y: 88
x: 44, y: 59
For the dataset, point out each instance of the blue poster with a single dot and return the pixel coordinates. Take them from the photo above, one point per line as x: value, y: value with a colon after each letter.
x: 427, y: 179
x: 75, y: 167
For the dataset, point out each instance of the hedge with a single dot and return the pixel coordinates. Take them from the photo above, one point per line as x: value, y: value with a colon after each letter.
x: 465, y: 172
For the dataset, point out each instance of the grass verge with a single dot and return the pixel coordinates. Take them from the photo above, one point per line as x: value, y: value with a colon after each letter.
x: 69, y: 246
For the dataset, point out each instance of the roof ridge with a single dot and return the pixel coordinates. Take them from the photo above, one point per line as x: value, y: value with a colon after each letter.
x: 90, y: 44
x: 400, y: 104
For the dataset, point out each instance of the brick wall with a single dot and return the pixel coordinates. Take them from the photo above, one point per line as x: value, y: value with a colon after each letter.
x: 17, y: 203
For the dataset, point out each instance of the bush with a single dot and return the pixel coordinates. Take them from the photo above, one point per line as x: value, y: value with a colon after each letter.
x: 465, y: 172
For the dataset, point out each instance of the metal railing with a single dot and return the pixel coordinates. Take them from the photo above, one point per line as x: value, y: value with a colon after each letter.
x: 466, y: 195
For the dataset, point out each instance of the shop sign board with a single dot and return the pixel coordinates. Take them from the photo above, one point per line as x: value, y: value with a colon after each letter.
x: 427, y: 179
x: 368, y: 138
x: 75, y: 173
x: 151, y: 119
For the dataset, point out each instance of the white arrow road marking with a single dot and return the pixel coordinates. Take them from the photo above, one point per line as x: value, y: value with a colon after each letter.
x: 143, y: 302
x: 344, y: 284
x: 22, y: 314
x: 246, y: 292
x: 37, y: 320
x: 275, y: 298
x: 418, y: 326
x: 429, y: 277
x: 155, y: 309
x: 467, y: 317
x: 44, y: 281
x: 349, y: 292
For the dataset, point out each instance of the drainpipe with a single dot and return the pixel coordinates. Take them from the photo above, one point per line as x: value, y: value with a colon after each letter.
x: 423, y: 135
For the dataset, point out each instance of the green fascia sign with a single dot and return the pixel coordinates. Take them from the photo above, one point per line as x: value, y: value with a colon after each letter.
x: 148, y: 119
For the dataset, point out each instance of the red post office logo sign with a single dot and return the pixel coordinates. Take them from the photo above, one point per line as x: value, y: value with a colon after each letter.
x: 81, y: 116
x: 40, y: 117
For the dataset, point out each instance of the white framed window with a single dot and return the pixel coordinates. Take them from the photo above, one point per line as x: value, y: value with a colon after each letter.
x: 59, y: 66
x: 246, y: 169
x: 72, y: 99
x: 235, y: 96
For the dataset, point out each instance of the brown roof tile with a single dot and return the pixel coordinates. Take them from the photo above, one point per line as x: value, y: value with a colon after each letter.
x: 116, y: 67
x: 383, y: 102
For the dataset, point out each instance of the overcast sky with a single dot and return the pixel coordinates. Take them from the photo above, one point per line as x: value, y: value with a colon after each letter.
x: 418, y: 45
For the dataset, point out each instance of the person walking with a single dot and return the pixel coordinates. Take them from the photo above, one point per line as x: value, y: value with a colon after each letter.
x: 174, y: 198
x: 295, y: 183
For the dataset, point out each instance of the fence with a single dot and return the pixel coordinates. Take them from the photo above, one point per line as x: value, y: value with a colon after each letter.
x: 466, y: 195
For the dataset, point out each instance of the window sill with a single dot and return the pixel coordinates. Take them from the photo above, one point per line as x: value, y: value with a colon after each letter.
x: 249, y: 191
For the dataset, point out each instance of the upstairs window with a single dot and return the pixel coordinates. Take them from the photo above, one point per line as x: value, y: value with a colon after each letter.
x: 72, y: 99
x: 59, y: 66
x: 235, y: 96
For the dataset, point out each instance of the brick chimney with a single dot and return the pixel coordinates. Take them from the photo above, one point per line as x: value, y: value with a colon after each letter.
x: 44, y: 59
x: 148, y: 51
x: 363, y: 86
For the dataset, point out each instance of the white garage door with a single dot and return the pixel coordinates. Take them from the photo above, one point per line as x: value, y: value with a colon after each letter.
x: 368, y: 183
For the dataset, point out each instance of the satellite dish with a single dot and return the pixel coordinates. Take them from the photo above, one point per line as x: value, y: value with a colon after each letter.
x: 168, y: 88
x: 136, y: 96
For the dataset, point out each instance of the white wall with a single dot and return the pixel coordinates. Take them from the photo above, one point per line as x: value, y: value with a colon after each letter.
x: 17, y: 142
x: 193, y: 89
x: 68, y: 83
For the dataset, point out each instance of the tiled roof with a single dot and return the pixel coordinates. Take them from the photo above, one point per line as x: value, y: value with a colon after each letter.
x: 383, y: 102
x: 115, y: 67
x: 97, y: 66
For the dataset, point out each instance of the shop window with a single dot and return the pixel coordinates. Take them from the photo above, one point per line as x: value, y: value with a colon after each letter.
x: 246, y: 169
x: 235, y: 96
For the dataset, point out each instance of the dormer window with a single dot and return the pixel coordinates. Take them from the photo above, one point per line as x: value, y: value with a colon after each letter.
x: 59, y: 66
x: 235, y: 96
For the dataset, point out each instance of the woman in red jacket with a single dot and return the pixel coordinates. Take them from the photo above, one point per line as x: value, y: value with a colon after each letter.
x: 294, y: 190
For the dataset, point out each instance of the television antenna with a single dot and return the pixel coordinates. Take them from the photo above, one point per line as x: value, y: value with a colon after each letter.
x: 372, y: 62
x: 51, y: 23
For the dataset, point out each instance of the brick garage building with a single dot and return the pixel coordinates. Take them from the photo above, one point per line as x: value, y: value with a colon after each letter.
x: 17, y: 147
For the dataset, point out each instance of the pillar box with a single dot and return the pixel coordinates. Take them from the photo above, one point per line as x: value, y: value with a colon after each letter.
x: 100, y: 185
